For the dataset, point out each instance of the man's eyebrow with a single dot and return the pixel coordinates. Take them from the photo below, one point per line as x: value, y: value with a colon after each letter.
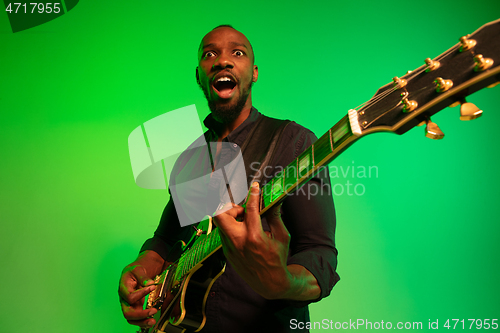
x: 238, y: 44
x: 207, y: 46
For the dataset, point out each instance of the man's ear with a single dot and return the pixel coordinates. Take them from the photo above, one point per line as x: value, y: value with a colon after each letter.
x: 255, y: 74
x: 197, y: 76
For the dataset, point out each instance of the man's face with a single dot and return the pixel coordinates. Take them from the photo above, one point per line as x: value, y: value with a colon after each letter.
x: 226, y: 72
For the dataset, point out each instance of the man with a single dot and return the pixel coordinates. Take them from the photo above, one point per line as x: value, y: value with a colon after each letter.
x: 275, y: 266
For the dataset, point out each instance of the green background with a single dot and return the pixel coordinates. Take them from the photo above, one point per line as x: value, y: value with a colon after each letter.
x: 420, y: 244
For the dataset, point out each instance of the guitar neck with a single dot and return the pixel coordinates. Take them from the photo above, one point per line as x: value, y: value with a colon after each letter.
x: 396, y: 107
x: 296, y: 174
x: 311, y: 161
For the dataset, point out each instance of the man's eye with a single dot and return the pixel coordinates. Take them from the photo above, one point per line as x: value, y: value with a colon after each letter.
x: 238, y: 53
x: 209, y: 54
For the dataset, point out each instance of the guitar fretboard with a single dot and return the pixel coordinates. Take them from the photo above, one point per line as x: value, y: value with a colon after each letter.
x: 309, y: 163
x: 199, y: 251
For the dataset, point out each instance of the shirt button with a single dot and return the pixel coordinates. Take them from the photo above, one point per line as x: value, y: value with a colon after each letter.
x: 212, y: 294
x: 235, y: 145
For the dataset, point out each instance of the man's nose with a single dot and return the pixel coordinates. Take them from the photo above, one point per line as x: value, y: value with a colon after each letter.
x: 222, y: 62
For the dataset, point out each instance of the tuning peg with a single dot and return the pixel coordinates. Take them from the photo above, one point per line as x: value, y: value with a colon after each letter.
x: 408, y: 105
x: 431, y: 64
x: 399, y: 83
x: 482, y: 63
x: 442, y: 85
x: 469, y: 111
x: 432, y: 130
x: 466, y: 43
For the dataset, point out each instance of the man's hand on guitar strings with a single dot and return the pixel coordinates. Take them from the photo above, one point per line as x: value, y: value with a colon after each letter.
x: 259, y: 257
x: 134, y: 286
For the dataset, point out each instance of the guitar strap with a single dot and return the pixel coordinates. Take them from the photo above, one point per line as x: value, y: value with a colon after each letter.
x: 260, y: 146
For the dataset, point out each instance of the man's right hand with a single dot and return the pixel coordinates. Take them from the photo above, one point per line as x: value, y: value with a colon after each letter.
x: 135, y: 284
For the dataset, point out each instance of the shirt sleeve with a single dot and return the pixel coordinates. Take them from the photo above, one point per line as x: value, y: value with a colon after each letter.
x: 309, y: 216
x: 169, y: 231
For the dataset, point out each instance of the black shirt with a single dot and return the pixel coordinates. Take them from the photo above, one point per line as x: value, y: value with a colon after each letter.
x: 308, y: 214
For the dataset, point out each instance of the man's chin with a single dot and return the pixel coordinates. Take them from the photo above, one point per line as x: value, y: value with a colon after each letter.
x: 226, y: 112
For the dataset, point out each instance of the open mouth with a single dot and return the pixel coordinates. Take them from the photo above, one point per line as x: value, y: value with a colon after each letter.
x: 224, y: 86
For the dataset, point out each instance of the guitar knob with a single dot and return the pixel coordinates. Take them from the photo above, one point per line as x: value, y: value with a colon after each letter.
x: 432, y: 130
x: 466, y: 44
x: 469, y: 111
x: 431, y: 64
x: 399, y: 83
x: 409, y: 105
x: 482, y: 63
x: 443, y: 85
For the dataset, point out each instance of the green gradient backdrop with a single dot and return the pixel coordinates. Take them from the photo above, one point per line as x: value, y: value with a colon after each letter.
x: 420, y: 244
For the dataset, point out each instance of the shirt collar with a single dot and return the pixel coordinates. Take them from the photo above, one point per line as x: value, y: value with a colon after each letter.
x: 240, y: 133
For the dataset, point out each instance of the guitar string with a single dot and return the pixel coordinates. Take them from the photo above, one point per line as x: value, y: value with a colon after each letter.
x: 194, y: 255
x: 191, y: 253
x: 408, y: 77
x: 376, y: 99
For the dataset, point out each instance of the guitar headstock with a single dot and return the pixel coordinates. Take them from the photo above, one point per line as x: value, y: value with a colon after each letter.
x: 412, y: 99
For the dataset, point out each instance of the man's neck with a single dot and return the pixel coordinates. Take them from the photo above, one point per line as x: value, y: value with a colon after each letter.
x: 225, y: 129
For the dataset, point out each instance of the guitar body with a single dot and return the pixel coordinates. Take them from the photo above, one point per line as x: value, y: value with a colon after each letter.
x: 181, y: 304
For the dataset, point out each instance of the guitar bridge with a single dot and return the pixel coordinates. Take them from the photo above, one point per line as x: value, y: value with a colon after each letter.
x: 156, y: 297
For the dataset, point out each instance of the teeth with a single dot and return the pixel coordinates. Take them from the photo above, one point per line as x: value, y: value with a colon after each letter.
x: 224, y: 78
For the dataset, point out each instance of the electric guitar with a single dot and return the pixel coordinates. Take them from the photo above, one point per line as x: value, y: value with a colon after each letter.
x: 409, y: 101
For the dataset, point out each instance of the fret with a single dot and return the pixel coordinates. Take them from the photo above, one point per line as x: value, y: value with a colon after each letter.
x: 322, y: 148
x: 291, y: 176
x: 180, y: 268
x: 206, y: 242
x: 199, y: 251
x: 305, y: 162
x: 217, y: 240
x: 191, y: 259
x: 193, y: 262
x: 184, y: 267
x: 196, y: 254
x: 210, y: 239
x: 277, y: 188
x: 340, y: 131
x: 261, y: 200
x: 267, y: 193
x: 183, y: 271
x: 213, y: 240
